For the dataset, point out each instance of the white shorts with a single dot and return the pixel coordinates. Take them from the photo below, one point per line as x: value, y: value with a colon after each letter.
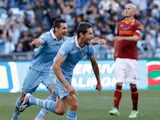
x: 126, y: 70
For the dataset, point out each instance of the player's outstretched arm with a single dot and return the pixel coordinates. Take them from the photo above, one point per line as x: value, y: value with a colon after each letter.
x: 99, y: 41
x: 130, y: 38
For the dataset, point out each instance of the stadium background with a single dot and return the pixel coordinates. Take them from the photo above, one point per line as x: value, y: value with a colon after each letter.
x: 23, y: 20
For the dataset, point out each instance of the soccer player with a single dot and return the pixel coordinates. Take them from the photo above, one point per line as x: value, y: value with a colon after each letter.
x: 70, y: 53
x: 126, y: 55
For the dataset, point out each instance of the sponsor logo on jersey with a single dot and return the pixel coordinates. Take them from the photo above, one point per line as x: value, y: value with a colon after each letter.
x: 127, y: 32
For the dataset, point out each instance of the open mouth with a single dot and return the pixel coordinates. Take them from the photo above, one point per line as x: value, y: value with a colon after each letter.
x: 66, y: 33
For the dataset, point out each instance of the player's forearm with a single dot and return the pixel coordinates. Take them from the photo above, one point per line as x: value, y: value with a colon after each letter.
x: 59, y: 74
x: 96, y: 71
x: 115, y: 49
x: 131, y: 38
x: 99, y: 41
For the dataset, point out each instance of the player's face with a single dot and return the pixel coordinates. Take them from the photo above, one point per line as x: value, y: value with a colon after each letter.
x: 129, y: 11
x: 88, y: 36
x: 63, y: 30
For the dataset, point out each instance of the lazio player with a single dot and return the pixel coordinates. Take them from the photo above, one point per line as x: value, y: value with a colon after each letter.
x: 70, y: 53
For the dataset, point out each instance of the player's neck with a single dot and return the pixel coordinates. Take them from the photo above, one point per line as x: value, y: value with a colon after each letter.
x: 81, y: 44
x: 58, y: 37
x: 129, y: 19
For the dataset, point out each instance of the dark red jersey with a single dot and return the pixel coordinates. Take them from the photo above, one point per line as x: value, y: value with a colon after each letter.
x: 128, y: 49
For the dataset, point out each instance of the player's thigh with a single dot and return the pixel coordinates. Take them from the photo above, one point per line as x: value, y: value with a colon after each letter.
x: 132, y: 76
x: 120, y: 70
x: 59, y: 88
x: 47, y: 82
x: 32, y: 80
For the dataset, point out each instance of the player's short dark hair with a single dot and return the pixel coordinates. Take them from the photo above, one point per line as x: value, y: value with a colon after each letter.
x: 58, y: 21
x: 82, y: 27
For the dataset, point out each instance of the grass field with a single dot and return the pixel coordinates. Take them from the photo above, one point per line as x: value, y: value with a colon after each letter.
x: 91, y: 106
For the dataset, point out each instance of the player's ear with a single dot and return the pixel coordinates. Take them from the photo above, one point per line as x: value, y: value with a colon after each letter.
x: 81, y: 34
x: 56, y: 29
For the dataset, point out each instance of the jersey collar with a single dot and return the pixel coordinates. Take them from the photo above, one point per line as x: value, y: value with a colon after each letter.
x: 52, y: 33
x: 76, y: 40
x: 132, y: 21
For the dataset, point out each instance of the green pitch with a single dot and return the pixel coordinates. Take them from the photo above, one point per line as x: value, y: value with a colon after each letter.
x: 91, y: 106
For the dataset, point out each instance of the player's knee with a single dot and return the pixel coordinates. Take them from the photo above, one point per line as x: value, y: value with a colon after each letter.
x: 60, y: 112
x: 119, y: 84
x: 74, y: 106
x: 133, y: 86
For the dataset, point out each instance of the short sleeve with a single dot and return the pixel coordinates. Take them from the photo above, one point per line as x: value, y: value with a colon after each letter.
x: 65, y: 49
x: 138, y: 30
x: 44, y: 37
x: 90, y: 51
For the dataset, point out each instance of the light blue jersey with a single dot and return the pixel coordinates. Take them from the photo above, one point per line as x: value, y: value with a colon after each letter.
x: 45, y: 53
x: 72, y: 54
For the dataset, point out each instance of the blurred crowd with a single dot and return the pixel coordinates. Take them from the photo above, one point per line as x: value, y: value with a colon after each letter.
x: 23, y: 20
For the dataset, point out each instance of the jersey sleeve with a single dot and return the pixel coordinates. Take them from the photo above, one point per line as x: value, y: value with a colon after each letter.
x: 90, y: 51
x: 138, y: 30
x: 44, y: 37
x: 64, y: 49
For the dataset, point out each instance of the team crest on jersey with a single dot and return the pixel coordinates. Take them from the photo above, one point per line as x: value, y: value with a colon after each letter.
x: 62, y: 52
x: 121, y: 25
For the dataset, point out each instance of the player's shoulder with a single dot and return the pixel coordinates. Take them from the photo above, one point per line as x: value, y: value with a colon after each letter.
x: 69, y: 37
x: 137, y: 22
x: 68, y: 40
x: 45, y: 34
x: 69, y: 43
x: 119, y: 23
